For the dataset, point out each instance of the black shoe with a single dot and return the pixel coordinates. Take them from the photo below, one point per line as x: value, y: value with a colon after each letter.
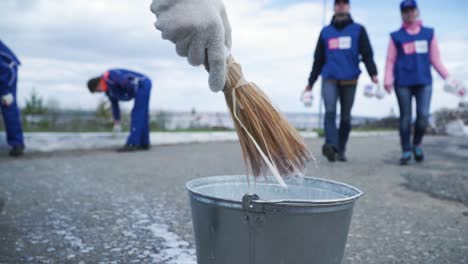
x: 341, y: 157
x: 144, y: 147
x: 418, y: 154
x: 330, y: 152
x: 132, y: 148
x: 17, y: 151
x: 128, y: 148
x: 405, y: 159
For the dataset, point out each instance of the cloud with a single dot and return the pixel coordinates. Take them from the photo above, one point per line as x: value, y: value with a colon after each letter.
x: 63, y: 43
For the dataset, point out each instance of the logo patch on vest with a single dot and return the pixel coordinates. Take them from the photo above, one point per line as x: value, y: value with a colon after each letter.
x: 339, y: 43
x: 418, y: 46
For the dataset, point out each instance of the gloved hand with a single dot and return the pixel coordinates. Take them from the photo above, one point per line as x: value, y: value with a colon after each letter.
x: 200, y: 29
x: 117, y: 128
x: 7, y: 99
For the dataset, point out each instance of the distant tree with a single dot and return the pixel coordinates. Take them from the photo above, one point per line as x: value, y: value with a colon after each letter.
x: 34, y: 104
x: 162, y: 119
x: 53, y: 105
x: 104, y: 111
x: 53, y: 112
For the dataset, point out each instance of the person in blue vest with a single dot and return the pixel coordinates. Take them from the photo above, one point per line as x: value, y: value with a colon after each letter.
x: 412, y: 50
x: 341, y: 47
x: 9, y: 64
x: 125, y: 85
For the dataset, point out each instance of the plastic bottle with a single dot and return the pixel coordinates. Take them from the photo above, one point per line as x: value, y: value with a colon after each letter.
x: 369, y: 90
x: 307, y: 99
x: 456, y: 88
x: 380, y: 93
x: 374, y: 90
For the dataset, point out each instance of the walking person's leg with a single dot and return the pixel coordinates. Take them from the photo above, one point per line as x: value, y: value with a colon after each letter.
x: 330, y: 97
x: 423, y: 95
x: 404, y: 96
x: 347, y: 94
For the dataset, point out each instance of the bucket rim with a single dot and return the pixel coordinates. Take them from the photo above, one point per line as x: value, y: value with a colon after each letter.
x: 279, y: 202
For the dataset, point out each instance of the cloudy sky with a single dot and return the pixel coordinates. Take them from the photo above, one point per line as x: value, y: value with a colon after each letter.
x: 63, y: 43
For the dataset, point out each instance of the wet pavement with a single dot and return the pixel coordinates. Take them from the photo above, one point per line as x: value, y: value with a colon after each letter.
x: 98, y: 206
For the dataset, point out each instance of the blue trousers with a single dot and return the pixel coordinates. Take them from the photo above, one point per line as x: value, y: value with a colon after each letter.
x: 139, y: 128
x: 423, y: 95
x: 331, y: 92
x: 12, y: 120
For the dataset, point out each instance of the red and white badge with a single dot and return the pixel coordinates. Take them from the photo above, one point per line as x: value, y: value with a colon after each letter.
x: 339, y: 43
x: 418, y: 47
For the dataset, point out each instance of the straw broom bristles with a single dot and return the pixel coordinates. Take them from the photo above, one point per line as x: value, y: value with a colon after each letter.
x: 254, y: 114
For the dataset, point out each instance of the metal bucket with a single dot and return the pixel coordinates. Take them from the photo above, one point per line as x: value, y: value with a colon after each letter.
x: 307, y: 223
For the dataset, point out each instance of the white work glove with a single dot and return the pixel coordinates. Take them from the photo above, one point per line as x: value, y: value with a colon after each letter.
x: 117, y: 128
x: 455, y: 87
x: 199, y: 29
x: 7, y: 99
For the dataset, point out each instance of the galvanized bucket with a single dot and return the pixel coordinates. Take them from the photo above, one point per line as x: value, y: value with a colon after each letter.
x: 307, y: 223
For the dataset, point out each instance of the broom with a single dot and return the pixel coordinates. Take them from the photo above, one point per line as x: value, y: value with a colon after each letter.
x: 268, y: 141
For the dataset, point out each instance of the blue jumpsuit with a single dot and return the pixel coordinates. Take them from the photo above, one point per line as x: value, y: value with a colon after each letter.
x: 125, y: 85
x: 8, y: 78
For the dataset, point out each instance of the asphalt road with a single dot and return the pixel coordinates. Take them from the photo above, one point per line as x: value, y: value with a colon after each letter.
x: 100, y: 206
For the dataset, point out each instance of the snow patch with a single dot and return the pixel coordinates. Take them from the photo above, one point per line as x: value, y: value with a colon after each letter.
x: 48, y: 142
x: 174, y: 250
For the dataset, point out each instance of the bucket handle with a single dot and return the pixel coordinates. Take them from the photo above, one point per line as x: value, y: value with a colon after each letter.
x: 252, y: 203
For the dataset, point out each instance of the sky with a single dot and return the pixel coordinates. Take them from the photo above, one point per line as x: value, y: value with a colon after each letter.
x: 64, y: 43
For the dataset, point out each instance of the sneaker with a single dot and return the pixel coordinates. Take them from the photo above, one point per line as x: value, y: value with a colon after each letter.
x: 17, y: 151
x: 418, y: 154
x: 405, y: 158
x: 341, y: 157
x: 330, y: 152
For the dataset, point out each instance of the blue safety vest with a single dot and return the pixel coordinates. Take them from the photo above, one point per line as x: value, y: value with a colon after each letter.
x: 8, y: 62
x: 413, y: 65
x: 342, y: 52
x: 122, y: 84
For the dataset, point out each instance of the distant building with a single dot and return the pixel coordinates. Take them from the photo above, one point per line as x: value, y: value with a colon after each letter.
x: 463, y: 105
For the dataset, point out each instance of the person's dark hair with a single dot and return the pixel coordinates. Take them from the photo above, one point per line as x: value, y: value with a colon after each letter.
x: 93, y: 84
x: 341, y: 1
